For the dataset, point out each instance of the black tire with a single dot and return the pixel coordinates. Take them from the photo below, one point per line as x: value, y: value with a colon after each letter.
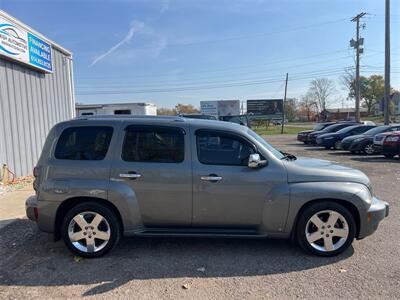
x: 367, y: 149
x: 104, y: 211
x: 337, y: 145
x: 310, y: 211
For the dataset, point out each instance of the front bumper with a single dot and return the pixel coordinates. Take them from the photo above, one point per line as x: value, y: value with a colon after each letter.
x: 302, y: 138
x: 390, y: 150
x: 378, y: 148
x: 346, y: 145
x: 375, y: 214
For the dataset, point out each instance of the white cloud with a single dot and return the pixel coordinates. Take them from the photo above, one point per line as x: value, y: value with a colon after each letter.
x: 135, y: 27
x: 165, y: 4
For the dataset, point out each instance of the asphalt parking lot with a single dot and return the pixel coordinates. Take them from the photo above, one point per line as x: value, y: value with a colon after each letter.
x: 33, y: 266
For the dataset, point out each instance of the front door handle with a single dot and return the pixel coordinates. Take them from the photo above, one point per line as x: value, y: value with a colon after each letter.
x: 130, y: 175
x: 211, y: 177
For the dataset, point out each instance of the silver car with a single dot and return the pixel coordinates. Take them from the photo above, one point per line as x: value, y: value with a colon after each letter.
x: 100, y: 178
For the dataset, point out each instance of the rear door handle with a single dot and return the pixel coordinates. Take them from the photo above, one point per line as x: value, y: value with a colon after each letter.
x: 211, y: 177
x: 130, y: 175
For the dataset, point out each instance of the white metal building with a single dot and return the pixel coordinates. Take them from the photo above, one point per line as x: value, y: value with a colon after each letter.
x: 116, y: 109
x: 36, y: 92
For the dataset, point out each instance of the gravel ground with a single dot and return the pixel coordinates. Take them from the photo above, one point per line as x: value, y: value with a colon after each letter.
x: 31, y: 265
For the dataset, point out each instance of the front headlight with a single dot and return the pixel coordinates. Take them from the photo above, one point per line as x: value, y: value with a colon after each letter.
x: 358, y: 140
x: 392, y: 138
x: 365, y: 194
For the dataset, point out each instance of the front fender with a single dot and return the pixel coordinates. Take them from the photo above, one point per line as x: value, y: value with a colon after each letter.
x: 304, y: 192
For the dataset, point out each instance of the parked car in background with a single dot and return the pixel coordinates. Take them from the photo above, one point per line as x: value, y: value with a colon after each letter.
x: 391, y: 145
x: 312, y: 137
x: 239, y: 119
x: 378, y: 141
x: 334, y: 139
x: 364, y: 143
x: 278, y: 121
x: 302, y: 136
x: 100, y: 178
x: 198, y: 116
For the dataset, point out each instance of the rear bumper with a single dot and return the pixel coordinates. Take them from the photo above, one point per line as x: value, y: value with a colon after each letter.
x: 375, y: 214
x: 31, y: 208
x: 41, y: 212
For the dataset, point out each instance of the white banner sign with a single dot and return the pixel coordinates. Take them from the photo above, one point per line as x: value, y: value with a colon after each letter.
x: 24, y: 46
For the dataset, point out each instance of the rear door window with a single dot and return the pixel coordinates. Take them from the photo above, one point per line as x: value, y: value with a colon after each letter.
x: 154, y: 144
x: 84, y: 143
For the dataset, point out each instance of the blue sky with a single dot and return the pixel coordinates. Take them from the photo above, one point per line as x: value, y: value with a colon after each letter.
x: 185, y: 51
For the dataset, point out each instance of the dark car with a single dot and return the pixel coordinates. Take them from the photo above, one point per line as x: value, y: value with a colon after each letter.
x: 391, y: 145
x: 364, y: 142
x: 302, y: 136
x: 334, y: 139
x: 239, y: 119
x: 312, y: 137
x: 199, y: 116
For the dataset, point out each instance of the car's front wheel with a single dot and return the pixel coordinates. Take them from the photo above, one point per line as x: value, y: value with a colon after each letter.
x: 369, y: 149
x: 325, y: 228
x: 90, y: 229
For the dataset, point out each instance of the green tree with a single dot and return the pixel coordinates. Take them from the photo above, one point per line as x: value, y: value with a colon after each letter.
x: 373, y: 91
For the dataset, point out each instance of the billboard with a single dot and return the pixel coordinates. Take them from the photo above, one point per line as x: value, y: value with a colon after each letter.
x: 220, y: 108
x: 24, y: 46
x: 266, y: 109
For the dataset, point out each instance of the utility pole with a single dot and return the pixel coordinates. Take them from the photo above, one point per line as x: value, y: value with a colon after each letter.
x: 386, y: 111
x: 356, y: 45
x: 284, y: 102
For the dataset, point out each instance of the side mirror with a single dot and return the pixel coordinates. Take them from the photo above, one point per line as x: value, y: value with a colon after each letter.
x: 255, y: 161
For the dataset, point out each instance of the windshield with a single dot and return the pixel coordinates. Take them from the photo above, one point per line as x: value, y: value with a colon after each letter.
x: 376, y: 130
x: 320, y: 126
x: 347, y: 129
x: 271, y: 149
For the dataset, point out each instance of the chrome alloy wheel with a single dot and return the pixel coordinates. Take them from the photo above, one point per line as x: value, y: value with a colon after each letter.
x: 369, y: 149
x: 89, y: 231
x: 327, y: 231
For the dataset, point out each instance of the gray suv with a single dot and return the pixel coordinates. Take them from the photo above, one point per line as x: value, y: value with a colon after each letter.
x: 100, y: 178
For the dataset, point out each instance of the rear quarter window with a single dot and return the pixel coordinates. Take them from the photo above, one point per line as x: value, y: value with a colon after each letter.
x: 84, y: 143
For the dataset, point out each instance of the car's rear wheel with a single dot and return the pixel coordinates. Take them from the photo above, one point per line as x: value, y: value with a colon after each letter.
x: 325, y: 228
x: 90, y: 229
x: 369, y: 149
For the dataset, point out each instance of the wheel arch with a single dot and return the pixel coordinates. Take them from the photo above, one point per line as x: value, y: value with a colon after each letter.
x: 350, y: 206
x: 66, y: 205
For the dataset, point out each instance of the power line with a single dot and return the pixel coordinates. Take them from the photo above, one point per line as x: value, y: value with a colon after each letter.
x: 224, y: 69
x: 202, y: 87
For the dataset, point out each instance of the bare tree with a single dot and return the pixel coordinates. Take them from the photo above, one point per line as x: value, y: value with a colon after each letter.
x: 186, y: 109
x: 321, y: 90
x: 307, y: 105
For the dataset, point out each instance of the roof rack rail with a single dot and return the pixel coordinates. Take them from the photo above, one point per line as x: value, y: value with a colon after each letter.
x: 94, y: 117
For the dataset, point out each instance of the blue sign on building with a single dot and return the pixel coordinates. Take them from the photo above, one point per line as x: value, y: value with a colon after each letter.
x: 39, y: 53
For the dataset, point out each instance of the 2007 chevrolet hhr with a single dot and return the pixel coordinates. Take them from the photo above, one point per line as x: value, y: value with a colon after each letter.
x: 99, y: 178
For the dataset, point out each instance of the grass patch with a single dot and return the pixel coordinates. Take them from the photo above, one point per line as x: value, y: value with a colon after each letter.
x: 288, y: 129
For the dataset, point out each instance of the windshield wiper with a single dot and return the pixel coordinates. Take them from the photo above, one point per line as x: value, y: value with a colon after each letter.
x: 288, y: 156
